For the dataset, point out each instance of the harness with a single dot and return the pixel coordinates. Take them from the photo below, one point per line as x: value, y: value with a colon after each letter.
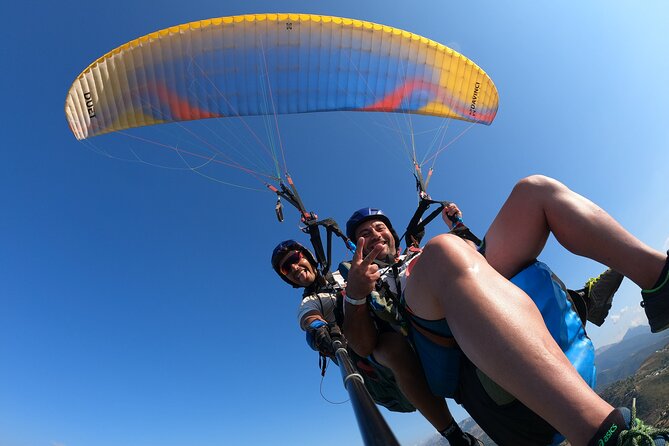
x: 378, y: 379
x: 387, y: 305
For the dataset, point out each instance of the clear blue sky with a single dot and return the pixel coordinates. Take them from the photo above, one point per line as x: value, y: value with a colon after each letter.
x: 137, y: 305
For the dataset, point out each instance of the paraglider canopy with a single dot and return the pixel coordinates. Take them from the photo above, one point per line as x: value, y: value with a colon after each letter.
x: 262, y: 64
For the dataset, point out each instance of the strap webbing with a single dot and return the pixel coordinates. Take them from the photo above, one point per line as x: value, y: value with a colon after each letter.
x: 443, y: 341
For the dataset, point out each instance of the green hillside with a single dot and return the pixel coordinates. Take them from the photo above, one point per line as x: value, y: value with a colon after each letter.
x: 649, y: 385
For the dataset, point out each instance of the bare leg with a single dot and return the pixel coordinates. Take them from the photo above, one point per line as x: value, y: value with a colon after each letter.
x: 501, y: 331
x: 539, y: 205
x: 394, y: 352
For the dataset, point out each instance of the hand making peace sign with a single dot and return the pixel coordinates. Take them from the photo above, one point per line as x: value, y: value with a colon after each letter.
x: 363, y: 274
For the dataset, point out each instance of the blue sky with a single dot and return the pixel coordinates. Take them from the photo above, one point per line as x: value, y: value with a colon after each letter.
x: 137, y: 305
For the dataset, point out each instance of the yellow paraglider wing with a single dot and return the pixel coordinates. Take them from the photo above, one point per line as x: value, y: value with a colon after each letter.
x: 275, y: 63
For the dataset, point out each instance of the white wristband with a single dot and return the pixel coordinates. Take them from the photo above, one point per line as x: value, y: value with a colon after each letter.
x: 355, y: 301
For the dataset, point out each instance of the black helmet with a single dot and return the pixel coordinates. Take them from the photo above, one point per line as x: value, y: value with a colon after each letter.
x: 362, y: 215
x: 285, y: 247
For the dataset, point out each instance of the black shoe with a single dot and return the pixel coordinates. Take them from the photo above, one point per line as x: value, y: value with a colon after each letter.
x: 598, y: 295
x: 656, y: 304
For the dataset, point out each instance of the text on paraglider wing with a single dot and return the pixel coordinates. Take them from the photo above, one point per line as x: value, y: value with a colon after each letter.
x: 89, y: 104
x: 472, y: 108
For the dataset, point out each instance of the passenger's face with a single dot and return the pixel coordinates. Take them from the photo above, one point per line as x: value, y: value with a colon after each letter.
x: 297, y: 268
x: 375, y: 233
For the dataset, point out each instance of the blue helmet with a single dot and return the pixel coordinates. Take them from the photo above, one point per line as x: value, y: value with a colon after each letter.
x: 362, y: 215
x: 285, y: 247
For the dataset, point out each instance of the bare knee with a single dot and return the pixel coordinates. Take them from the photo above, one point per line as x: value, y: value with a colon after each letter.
x: 538, y: 185
x: 444, y: 251
x: 446, y: 259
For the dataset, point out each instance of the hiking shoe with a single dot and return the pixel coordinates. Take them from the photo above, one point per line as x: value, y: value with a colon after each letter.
x: 638, y: 433
x: 598, y: 295
x: 656, y: 304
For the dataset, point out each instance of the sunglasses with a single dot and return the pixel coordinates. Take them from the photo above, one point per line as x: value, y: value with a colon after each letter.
x: 292, y: 259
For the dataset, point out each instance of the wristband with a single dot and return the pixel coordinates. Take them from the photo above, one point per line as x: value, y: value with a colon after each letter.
x: 317, y: 324
x: 355, y: 301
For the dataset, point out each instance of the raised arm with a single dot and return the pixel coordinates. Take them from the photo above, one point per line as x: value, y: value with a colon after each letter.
x: 358, y: 326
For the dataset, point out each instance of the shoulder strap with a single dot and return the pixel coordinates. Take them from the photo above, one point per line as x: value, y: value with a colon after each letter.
x: 339, y: 309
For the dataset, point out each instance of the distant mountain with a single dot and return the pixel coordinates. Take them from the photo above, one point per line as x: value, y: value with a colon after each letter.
x: 434, y: 440
x: 620, y: 360
x: 467, y: 425
x: 649, y: 385
x: 636, y: 331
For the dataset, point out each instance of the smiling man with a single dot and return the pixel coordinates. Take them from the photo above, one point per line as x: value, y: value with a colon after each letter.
x: 295, y: 266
